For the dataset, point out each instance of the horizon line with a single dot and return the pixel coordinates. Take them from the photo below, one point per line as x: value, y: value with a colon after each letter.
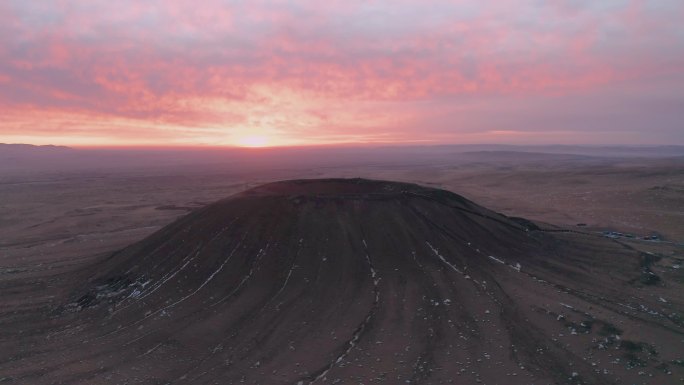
x: 335, y: 145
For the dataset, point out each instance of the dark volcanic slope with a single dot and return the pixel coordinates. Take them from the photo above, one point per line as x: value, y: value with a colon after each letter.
x: 356, y: 281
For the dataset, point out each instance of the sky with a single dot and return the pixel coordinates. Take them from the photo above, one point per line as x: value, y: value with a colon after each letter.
x: 278, y: 73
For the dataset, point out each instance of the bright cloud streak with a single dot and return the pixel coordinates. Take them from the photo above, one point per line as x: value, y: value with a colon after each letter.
x: 289, y: 73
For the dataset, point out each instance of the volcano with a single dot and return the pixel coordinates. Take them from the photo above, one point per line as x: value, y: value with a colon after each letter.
x: 348, y: 281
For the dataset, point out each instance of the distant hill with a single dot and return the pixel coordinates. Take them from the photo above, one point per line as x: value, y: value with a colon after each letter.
x: 24, y: 159
x: 30, y: 149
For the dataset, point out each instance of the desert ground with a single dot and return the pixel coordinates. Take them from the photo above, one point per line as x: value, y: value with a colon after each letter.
x: 59, y: 218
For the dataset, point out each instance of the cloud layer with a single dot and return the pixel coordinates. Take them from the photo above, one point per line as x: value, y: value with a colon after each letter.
x: 283, y: 72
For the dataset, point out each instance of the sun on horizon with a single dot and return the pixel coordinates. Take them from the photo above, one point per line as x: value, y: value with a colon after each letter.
x: 253, y: 142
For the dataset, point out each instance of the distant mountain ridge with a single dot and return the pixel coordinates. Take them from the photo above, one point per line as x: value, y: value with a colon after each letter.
x: 23, y: 158
x: 21, y: 148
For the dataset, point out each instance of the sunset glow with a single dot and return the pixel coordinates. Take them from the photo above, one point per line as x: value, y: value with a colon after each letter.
x: 278, y: 73
x: 253, y: 141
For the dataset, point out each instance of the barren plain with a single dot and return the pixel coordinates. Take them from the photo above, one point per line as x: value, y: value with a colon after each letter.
x: 57, y: 224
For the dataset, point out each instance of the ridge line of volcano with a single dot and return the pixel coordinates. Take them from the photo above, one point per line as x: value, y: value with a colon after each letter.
x: 248, y: 316
x: 360, y: 330
x: 427, y: 197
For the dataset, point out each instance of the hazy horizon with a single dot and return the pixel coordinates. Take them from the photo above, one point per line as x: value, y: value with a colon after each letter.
x: 350, y: 145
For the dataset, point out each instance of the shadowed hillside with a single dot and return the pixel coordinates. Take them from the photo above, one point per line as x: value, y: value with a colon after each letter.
x: 355, y: 281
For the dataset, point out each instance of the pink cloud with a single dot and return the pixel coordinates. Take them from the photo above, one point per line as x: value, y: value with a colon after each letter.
x: 312, y: 71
